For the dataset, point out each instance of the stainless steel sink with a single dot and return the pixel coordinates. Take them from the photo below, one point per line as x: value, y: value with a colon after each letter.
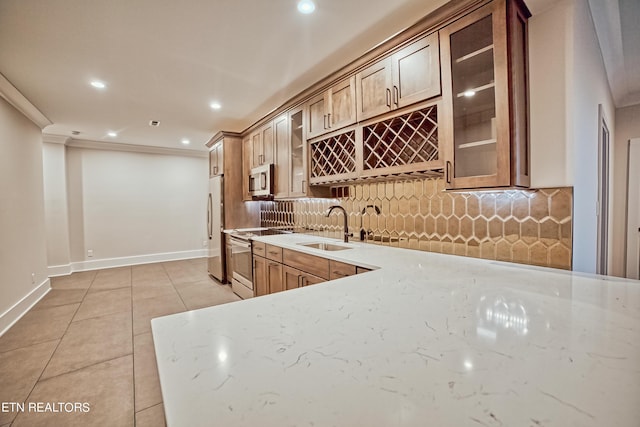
x: 325, y: 246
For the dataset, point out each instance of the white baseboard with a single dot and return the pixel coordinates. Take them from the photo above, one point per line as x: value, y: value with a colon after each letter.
x: 19, y: 309
x: 96, y: 264
x: 59, y: 270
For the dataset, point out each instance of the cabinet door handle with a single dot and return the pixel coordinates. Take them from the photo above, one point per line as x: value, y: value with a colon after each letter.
x: 388, y: 97
x: 299, y: 281
x: 303, y: 281
x: 395, y: 95
x: 304, y: 186
x: 324, y: 121
x: 448, y: 172
x: 329, y: 120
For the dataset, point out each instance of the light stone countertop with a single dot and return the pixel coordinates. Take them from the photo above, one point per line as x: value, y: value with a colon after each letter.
x: 426, y: 339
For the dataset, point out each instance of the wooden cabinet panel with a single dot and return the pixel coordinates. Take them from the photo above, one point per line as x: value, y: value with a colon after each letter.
x: 259, y: 248
x: 373, y: 89
x: 339, y: 269
x: 308, y: 263
x: 408, y: 76
x: 260, y: 284
x: 416, y: 72
x: 268, y: 144
x: 275, y: 281
x: 360, y: 270
x: 309, y: 279
x: 342, y: 104
x: 281, y: 146
x: 247, y: 156
x: 274, y: 253
x: 294, y: 278
x: 262, y: 146
x: 216, y: 160
x: 256, y: 149
x: 291, y: 278
x: 332, y: 109
x: 316, y: 116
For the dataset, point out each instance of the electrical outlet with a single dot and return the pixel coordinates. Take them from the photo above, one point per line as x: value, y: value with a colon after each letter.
x: 90, y: 253
x: 33, y: 278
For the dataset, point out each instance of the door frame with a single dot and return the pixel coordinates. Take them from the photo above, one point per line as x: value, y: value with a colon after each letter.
x: 604, y: 190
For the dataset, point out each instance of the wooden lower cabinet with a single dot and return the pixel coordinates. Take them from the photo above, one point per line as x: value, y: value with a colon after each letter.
x: 275, y: 281
x: 267, y: 276
x: 260, y: 285
x: 294, y: 278
x: 285, y: 269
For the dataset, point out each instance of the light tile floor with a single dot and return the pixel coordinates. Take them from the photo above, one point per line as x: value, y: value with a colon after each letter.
x: 89, y: 340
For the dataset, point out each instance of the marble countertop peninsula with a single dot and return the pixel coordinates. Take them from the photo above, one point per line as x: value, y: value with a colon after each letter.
x: 425, y: 339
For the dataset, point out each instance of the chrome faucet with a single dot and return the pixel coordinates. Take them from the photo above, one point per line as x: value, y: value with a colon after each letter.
x: 346, y: 221
x: 363, y: 234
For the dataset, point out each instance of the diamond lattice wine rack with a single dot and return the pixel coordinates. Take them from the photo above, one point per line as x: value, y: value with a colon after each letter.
x: 402, y: 144
x: 333, y: 159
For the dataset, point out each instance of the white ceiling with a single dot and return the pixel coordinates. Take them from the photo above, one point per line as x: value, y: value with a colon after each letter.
x: 167, y: 60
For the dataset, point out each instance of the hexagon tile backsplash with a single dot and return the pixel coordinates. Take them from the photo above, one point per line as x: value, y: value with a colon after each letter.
x: 523, y: 226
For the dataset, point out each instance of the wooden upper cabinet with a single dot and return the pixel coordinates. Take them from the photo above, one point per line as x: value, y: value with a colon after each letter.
x: 281, y: 146
x: 332, y: 109
x: 247, y: 156
x: 291, y: 158
x: 485, y: 95
x: 262, y: 145
x: 216, y: 160
x: 410, y: 75
x: 416, y: 72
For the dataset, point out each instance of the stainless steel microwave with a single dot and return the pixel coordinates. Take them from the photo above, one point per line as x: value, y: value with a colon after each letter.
x: 261, y: 181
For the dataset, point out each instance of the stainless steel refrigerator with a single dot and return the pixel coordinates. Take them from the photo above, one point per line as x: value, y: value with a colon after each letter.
x: 226, y: 206
x: 215, y: 227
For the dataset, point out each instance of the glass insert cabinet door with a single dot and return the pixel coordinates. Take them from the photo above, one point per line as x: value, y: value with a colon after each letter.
x: 475, y: 70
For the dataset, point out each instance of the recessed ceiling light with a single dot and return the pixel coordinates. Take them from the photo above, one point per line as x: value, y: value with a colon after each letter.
x: 306, y: 6
x: 185, y: 141
x: 215, y: 105
x: 112, y: 134
x: 98, y: 84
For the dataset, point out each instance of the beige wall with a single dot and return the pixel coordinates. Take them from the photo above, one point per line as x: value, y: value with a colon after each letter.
x: 589, y: 88
x: 568, y: 81
x: 549, y: 79
x: 128, y: 204
x: 627, y: 126
x: 22, y: 224
x: 56, y: 208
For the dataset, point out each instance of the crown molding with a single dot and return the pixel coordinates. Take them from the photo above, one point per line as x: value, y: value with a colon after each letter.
x: 55, y: 139
x: 116, y: 146
x: 22, y: 104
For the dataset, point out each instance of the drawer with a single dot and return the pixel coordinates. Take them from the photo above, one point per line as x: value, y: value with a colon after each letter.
x: 274, y: 253
x: 259, y: 248
x: 339, y: 269
x: 308, y: 263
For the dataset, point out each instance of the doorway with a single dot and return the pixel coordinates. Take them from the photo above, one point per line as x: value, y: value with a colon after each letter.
x: 633, y: 211
x: 603, y: 193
